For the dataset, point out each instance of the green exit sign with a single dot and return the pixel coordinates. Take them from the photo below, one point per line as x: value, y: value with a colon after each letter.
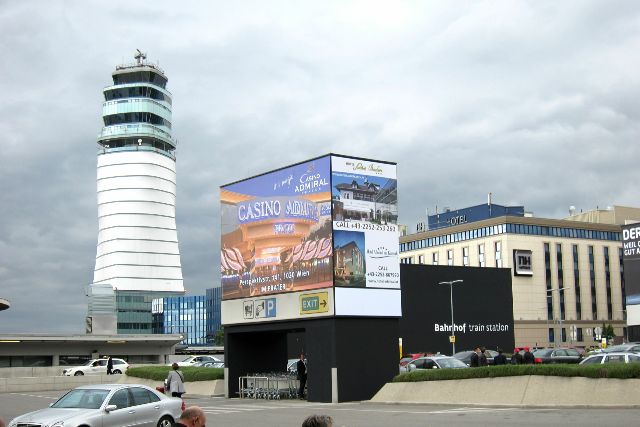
x: 310, y: 304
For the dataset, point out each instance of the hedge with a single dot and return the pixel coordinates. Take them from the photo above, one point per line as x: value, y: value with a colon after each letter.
x: 619, y: 371
x: 160, y: 372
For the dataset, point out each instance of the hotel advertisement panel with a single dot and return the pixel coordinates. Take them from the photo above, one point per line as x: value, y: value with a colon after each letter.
x: 365, y: 232
x: 631, y: 260
x: 276, y: 234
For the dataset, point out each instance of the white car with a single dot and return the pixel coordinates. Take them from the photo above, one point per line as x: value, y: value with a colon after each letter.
x: 192, y: 360
x: 97, y: 367
x: 106, y: 405
x: 607, y: 358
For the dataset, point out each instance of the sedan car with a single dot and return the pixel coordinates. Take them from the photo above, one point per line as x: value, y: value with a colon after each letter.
x: 605, y: 358
x: 106, y: 405
x: 557, y: 355
x: 97, y: 367
x: 623, y: 348
x: 192, y: 360
x: 436, y: 362
x: 465, y: 356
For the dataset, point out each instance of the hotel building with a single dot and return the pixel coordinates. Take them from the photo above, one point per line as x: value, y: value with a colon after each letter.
x: 567, y: 274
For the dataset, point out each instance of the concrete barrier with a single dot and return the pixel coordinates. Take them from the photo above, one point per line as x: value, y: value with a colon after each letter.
x: 534, y: 390
x: 51, y: 383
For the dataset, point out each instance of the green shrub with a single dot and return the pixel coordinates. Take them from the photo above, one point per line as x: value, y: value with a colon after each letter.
x: 160, y: 372
x: 619, y: 371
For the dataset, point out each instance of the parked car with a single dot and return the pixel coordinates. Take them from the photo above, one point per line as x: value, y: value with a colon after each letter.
x: 465, y: 356
x: 407, y: 358
x: 633, y: 347
x: 192, y: 360
x: 436, y: 362
x: 208, y: 364
x: 105, y: 405
x: 604, y: 358
x: 97, y: 367
x: 557, y: 355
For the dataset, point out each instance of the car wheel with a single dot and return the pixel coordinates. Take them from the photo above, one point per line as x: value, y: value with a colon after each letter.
x: 165, y: 422
x: 78, y: 373
x: 117, y: 371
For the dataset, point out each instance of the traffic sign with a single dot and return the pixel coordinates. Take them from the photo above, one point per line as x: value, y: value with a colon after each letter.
x: 452, y: 339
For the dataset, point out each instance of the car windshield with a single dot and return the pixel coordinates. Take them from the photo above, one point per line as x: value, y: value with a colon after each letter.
x: 84, y: 398
x: 451, y: 363
x: 542, y: 353
x: 188, y: 359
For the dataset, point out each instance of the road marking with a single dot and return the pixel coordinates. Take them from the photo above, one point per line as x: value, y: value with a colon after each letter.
x: 35, y: 395
x: 445, y: 411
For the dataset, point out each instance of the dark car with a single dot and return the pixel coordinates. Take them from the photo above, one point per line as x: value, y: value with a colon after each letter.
x: 465, y: 356
x: 557, y: 355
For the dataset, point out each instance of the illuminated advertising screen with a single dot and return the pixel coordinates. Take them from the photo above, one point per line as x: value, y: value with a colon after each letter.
x: 631, y: 260
x: 365, y: 237
x: 276, y: 235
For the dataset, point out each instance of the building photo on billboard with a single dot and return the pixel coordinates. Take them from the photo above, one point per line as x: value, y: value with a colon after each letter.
x: 276, y: 232
x: 631, y: 262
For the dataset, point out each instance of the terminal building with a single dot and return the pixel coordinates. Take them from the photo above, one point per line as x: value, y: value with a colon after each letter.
x: 567, y: 274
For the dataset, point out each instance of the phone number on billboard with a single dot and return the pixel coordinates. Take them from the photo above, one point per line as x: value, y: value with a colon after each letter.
x: 365, y: 226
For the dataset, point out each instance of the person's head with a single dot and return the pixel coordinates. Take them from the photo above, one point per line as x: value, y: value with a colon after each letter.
x: 482, y: 349
x: 175, y: 366
x: 2, y: 424
x: 318, y: 421
x: 301, y: 356
x: 526, y: 349
x: 193, y: 416
x: 516, y: 350
x: 477, y: 350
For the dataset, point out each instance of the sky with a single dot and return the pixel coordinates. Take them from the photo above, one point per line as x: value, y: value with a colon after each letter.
x: 537, y: 102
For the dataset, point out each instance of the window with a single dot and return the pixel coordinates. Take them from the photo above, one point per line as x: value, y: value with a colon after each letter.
x: 498, y: 250
x: 560, y: 280
x: 552, y: 334
x: 547, y: 277
x: 593, y: 360
x: 607, y: 281
x: 465, y: 256
x: 576, y: 283
x: 120, y: 398
x: 481, y: 255
x: 450, y: 257
x: 614, y: 358
x: 592, y: 282
x: 434, y: 258
x: 420, y: 259
x: 141, y: 396
x: 579, y: 336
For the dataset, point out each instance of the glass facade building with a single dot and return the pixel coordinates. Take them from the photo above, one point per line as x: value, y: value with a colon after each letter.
x: 196, y: 317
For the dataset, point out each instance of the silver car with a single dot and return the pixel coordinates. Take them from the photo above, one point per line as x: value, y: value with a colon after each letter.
x: 106, y: 405
x: 607, y: 358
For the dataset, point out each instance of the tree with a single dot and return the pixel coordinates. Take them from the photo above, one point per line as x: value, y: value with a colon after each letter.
x: 608, y: 332
x: 218, y: 337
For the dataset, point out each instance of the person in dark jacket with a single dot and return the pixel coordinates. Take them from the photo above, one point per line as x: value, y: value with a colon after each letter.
x: 482, y: 358
x: 516, y: 359
x: 500, y: 359
x: 528, y: 358
x: 110, y: 366
x: 474, y: 362
x: 302, y: 375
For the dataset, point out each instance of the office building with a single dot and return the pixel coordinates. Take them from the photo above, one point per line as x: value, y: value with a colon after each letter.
x: 195, y: 317
x: 137, y: 252
x: 567, y: 274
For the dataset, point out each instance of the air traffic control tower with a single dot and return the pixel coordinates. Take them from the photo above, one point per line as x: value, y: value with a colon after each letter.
x: 137, y: 251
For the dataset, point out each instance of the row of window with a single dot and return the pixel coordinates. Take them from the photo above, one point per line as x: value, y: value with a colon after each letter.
x: 137, y: 117
x: 535, y: 230
x: 497, y: 247
x: 136, y: 92
x: 140, y: 77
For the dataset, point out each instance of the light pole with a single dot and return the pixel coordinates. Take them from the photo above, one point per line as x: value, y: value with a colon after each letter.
x: 560, y: 315
x: 453, y: 332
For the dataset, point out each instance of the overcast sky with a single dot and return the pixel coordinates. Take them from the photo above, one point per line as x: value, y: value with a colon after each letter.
x: 537, y: 102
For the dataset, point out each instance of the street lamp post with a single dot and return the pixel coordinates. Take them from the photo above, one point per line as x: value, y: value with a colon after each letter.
x: 559, y: 316
x: 453, y: 332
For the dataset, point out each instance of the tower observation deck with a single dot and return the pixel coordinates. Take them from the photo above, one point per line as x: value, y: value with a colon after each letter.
x: 137, y: 246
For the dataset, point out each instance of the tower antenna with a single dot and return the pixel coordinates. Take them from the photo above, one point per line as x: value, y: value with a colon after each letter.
x: 140, y: 57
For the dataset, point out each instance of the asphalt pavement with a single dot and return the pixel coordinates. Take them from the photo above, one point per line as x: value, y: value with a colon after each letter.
x: 263, y: 413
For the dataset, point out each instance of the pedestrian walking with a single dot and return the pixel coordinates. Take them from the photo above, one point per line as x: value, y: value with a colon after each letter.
x: 110, y: 366
x: 482, y: 358
x: 528, y: 358
x: 175, y: 381
x: 474, y: 362
x: 302, y: 375
x: 516, y: 359
x: 500, y: 359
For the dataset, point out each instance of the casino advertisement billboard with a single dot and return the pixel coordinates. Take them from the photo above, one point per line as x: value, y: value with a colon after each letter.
x: 631, y: 260
x: 277, y: 233
x: 365, y: 214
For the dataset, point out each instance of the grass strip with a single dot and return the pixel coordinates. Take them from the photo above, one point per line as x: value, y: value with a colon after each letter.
x: 160, y: 372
